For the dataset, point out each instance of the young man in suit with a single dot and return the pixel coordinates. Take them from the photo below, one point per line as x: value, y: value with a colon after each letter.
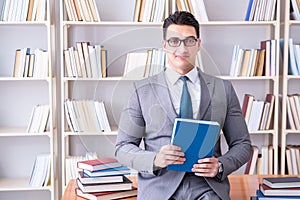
x: 153, y: 105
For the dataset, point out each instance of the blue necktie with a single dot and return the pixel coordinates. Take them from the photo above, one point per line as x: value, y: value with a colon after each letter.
x: 186, y: 109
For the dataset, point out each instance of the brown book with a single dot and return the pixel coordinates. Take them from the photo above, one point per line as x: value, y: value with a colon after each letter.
x: 77, y: 9
x: 104, y: 62
x: 137, y: 9
x: 271, y: 99
x: 142, y: 10
x: 29, y: 13
x: 260, y: 62
x: 17, y: 63
x: 245, y: 63
x: 266, y: 45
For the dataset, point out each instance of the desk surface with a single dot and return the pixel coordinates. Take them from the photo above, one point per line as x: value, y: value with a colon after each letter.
x: 242, y: 187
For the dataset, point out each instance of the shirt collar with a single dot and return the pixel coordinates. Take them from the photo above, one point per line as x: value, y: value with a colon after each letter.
x: 173, y: 76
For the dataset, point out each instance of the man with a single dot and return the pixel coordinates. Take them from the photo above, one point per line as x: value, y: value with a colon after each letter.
x: 153, y: 105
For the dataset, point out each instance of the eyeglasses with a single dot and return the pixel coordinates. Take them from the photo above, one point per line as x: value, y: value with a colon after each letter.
x: 188, y: 41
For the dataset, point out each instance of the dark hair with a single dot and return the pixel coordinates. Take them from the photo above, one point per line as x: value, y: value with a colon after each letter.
x: 181, y: 18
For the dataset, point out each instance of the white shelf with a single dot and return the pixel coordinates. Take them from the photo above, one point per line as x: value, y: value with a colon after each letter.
x: 19, y: 184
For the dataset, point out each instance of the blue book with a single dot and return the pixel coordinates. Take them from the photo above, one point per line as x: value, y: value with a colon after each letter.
x: 250, y: 7
x: 260, y: 196
x: 197, y: 139
x: 108, y: 172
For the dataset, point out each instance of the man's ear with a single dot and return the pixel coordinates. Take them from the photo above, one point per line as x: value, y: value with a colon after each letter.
x: 164, y: 44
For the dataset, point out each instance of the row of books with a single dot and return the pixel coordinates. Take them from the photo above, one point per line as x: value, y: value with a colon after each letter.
x: 86, y: 116
x: 254, y: 62
x: 293, y: 111
x: 294, y: 58
x: 82, y: 10
x: 258, y: 113
x: 156, y: 11
x: 40, y: 175
x: 28, y: 64
x: 293, y: 159
x: 103, y: 178
x: 23, y: 10
x: 261, y: 160
x: 38, y: 119
x: 295, y: 10
x: 282, y: 188
x: 261, y: 10
x: 144, y: 64
x: 87, y: 61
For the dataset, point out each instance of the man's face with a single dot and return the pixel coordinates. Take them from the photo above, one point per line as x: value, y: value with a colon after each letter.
x: 181, y: 58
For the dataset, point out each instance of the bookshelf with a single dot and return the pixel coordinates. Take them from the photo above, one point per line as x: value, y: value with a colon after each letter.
x: 19, y: 95
x: 290, y: 81
x: 120, y: 35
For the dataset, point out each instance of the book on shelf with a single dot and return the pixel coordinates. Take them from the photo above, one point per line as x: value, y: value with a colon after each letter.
x: 198, y: 143
x: 82, y: 10
x: 282, y: 182
x: 29, y: 10
x: 38, y: 119
x: 260, y: 10
x: 251, y: 164
x: 86, y: 116
x: 135, y: 64
x: 85, y: 179
x: 98, y: 164
x: 40, y: 175
x: 107, y: 195
x: 123, y: 170
x: 126, y: 184
x: 268, y: 191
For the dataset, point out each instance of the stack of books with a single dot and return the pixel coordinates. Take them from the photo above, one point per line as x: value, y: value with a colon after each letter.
x: 279, y: 188
x: 103, y: 178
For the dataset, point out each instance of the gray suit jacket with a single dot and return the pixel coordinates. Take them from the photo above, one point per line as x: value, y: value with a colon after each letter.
x: 146, y: 125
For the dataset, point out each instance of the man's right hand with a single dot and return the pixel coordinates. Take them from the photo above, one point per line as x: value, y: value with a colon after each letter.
x: 169, y: 154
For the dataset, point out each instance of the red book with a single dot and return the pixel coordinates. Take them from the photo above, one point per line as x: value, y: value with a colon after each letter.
x: 107, y: 195
x: 98, y: 164
x: 267, y: 191
x: 247, y: 106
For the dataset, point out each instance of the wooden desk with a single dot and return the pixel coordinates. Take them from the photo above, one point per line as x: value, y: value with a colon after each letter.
x: 242, y: 187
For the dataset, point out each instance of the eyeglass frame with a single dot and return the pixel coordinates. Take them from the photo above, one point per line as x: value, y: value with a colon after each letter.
x: 184, y: 41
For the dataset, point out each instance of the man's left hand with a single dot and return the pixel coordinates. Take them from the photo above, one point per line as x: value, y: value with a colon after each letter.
x: 206, y: 167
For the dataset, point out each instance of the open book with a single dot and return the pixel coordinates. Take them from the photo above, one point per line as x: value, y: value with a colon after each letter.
x: 197, y: 139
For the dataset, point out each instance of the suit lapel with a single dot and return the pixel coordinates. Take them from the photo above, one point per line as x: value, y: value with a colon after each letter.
x: 161, y: 91
x: 206, y: 85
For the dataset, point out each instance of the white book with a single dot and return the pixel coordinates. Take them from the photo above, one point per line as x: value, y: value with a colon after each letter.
x: 234, y: 60
x: 40, y: 169
x: 104, y: 117
x: 296, y: 9
x: 44, y: 118
x: 290, y: 116
x: 93, y: 61
x: 199, y: 10
x: 265, y: 159
x: 255, y: 115
x: 73, y: 62
x: 135, y: 64
x: 264, y: 117
x: 98, y: 60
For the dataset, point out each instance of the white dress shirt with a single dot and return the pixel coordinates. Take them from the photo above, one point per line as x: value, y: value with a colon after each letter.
x: 175, y: 87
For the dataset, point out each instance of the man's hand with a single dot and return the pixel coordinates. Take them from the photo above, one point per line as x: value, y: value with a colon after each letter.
x: 207, y: 167
x: 169, y: 154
